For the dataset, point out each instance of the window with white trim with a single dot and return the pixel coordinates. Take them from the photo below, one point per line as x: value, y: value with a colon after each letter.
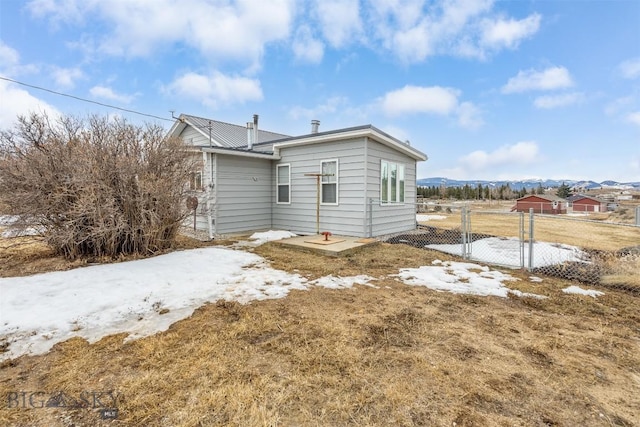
x: 329, y: 182
x: 283, y: 184
x: 391, y: 182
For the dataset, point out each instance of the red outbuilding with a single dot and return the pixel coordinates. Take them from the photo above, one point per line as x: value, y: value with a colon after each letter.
x: 541, y: 204
x: 582, y: 203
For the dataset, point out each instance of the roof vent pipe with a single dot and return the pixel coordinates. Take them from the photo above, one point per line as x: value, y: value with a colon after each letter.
x: 249, y: 135
x: 314, y: 126
x: 255, y: 130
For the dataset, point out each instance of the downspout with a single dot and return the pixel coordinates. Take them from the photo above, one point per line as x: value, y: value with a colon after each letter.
x: 209, y: 190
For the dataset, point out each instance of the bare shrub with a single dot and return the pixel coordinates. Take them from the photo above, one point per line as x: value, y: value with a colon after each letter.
x: 94, y: 186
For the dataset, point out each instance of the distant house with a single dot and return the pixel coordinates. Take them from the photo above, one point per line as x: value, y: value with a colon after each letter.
x: 249, y: 179
x: 582, y: 203
x: 546, y: 204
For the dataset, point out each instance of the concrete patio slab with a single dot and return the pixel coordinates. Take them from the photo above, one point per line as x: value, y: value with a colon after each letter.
x: 335, y: 246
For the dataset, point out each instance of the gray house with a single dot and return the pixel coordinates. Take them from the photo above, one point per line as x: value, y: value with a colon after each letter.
x: 356, y: 181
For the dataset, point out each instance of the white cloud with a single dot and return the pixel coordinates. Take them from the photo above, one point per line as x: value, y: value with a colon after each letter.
x: 217, y: 89
x: 521, y: 153
x: 413, y: 30
x: 417, y: 99
x: 16, y: 101
x: 634, y: 118
x: 397, y: 133
x: 617, y: 105
x: 9, y: 57
x: 10, y: 62
x: 469, y: 116
x: 556, y: 101
x: 509, y: 33
x: 241, y: 30
x: 339, y: 20
x: 330, y: 106
x: 219, y: 29
x: 630, y: 69
x: 109, y: 94
x: 431, y: 100
x: 66, y: 77
x: 306, y: 48
x: 549, y: 79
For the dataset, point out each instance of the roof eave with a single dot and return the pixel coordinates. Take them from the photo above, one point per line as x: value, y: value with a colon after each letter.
x: 240, y: 153
x: 368, y: 131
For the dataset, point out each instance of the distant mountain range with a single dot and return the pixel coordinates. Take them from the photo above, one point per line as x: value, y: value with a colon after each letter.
x: 531, y: 183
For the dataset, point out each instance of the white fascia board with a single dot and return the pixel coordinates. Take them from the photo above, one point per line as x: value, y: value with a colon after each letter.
x: 185, y: 121
x: 177, y: 128
x: 356, y: 133
x: 252, y: 154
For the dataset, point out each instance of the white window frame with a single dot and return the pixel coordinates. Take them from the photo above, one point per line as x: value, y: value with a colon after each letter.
x: 278, y: 184
x: 329, y: 181
x: 400, y: 184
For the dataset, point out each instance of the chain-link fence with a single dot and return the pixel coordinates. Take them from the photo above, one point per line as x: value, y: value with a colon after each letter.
x: 570, y: 247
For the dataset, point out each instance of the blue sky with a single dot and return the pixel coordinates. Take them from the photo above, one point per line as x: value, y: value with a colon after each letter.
x: 487, y: 89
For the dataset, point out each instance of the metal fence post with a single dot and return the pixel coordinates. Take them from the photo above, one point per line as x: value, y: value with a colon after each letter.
x: 638, y: 215
x: 521, y: 240
x: 469, y: 235
x: 531, y: 239
x: 463, y: 230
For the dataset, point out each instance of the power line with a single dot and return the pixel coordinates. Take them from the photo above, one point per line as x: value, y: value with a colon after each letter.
x: 84, y: 99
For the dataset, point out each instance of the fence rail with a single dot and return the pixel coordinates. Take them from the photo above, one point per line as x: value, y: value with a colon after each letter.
x: 573, y: 248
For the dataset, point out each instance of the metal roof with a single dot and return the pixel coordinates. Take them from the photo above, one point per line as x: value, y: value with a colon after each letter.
x: 583, y: 196
x: 548, y: 197
x: 234, y: 137
x: 227, y: 134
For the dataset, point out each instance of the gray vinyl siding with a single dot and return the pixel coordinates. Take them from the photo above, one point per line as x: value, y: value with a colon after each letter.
x: 395, y: 217
x: 243, y: 194
x: 300, y: 215
x: 192, y: 137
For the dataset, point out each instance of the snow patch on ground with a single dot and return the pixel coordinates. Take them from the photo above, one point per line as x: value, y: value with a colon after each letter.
x: 461, y: 278
x: 92, y: 302
x: 16, y: 232
x: 8, y: 220
x: 267, y: 236
x: 578, y: 290
x: 506, y: 251
x: 426, y: 218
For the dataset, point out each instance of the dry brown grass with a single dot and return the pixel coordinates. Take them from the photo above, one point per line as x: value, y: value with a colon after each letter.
x: 23, y: 256
x: 625, y: 273
x: 396, y: 355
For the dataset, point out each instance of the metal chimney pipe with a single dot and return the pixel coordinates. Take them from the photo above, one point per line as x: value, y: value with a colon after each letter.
x: 255, y: 130
x: 249, y: 135
x: 314, y: 126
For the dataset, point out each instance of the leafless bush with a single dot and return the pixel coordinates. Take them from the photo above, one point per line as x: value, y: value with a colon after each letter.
x: 94, y: 186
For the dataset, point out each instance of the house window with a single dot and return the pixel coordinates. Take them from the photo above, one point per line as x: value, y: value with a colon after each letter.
x: 391, y: 182
x: 195, y: 181
x: 329, y: 182
x: 283, y: 180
